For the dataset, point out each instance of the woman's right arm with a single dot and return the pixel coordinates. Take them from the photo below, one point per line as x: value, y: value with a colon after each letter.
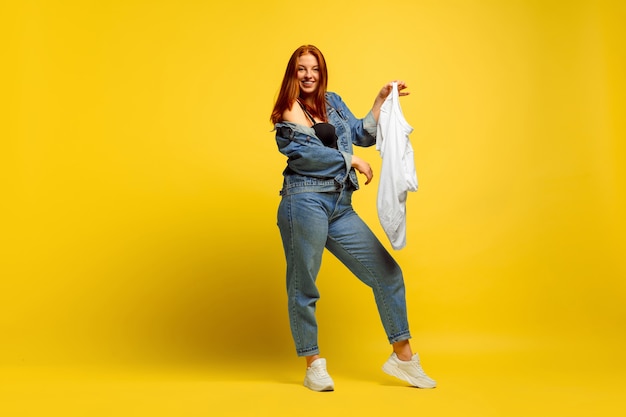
x: 303, y: 160
x: 308, y: 156
x: 363, y: 167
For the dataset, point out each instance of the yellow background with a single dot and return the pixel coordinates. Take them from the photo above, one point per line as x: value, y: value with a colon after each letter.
x: 141, y: 266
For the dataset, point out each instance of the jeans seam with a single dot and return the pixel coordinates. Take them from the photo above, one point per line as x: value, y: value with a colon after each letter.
x: 294, y: 280
x: 374, y: 282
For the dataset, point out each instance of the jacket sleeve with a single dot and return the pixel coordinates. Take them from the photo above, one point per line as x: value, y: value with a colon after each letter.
x: 363, y: 131
x: 308, y: 156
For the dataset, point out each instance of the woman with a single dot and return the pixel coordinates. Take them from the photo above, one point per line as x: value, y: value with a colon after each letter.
x: 316, y: 131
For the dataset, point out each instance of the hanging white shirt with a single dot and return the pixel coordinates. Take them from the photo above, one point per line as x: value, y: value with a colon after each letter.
x: 397, y: 175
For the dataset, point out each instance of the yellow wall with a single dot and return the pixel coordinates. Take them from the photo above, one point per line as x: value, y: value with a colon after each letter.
x: 141, y: 177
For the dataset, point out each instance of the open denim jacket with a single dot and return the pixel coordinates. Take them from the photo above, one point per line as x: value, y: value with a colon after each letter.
x: 313, y: 167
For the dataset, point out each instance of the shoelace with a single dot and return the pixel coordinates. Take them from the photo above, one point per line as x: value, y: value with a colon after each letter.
x: 415, y: 364
x: 319, y: 371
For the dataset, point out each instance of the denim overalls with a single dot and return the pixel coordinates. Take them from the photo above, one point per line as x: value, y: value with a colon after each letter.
x: 316, y: 212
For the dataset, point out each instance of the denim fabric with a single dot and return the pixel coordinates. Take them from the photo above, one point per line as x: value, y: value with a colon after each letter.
x: 311, y: 221
x: 311, y: 166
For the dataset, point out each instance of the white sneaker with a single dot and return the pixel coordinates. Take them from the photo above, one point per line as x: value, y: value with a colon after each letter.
x: 409, y: 371
x: 317, y: 377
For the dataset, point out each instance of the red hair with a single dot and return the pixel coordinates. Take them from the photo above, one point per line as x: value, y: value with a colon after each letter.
x: 290, y: 89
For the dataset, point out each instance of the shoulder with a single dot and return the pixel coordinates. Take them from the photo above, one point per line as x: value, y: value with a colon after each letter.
x: 334, y: 99
x: 295, y: 114
x: 289, y: 113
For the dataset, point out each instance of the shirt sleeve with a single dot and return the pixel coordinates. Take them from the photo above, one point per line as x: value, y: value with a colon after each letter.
x: 363, y: 131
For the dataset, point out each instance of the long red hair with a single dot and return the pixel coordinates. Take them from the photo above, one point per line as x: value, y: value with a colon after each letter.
x: 290, y: 89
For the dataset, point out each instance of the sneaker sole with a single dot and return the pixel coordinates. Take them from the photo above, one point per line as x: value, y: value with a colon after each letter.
x: 323, y: 388
x: 395, y: 372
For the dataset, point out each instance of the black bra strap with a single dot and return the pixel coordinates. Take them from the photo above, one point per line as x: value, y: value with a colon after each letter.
x: 307, y: 113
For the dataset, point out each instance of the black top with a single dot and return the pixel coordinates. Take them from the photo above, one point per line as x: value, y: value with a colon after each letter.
x: 324, y: 131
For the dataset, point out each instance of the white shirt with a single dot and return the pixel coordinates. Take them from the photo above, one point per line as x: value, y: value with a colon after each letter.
x: 397, y: 175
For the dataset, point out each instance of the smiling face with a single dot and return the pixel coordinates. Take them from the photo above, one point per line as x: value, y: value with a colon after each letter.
x: 308, y: 75
x: 306, y: 79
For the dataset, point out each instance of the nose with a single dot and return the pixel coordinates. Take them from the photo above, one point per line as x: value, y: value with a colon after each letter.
x: 309, y: 73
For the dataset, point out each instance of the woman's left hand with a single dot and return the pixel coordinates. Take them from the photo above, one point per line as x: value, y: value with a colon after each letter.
x: 384, y: 93
x: 386, y: 90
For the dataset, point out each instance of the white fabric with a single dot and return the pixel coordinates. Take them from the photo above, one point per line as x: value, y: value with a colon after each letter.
x: 397, y: 175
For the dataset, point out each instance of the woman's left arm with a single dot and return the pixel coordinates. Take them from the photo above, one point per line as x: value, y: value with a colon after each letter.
x: 363, y: 131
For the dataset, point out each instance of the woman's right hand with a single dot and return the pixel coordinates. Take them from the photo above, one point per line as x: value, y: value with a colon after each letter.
x: 363, y: 167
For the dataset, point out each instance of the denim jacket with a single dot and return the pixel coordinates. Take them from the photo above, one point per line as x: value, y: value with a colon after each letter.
x: 313, y: 167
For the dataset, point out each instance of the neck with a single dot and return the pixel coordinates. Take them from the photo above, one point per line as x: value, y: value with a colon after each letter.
x: 309, y: 100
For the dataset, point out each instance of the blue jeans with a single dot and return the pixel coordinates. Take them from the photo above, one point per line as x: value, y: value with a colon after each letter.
x: 310, y: 221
